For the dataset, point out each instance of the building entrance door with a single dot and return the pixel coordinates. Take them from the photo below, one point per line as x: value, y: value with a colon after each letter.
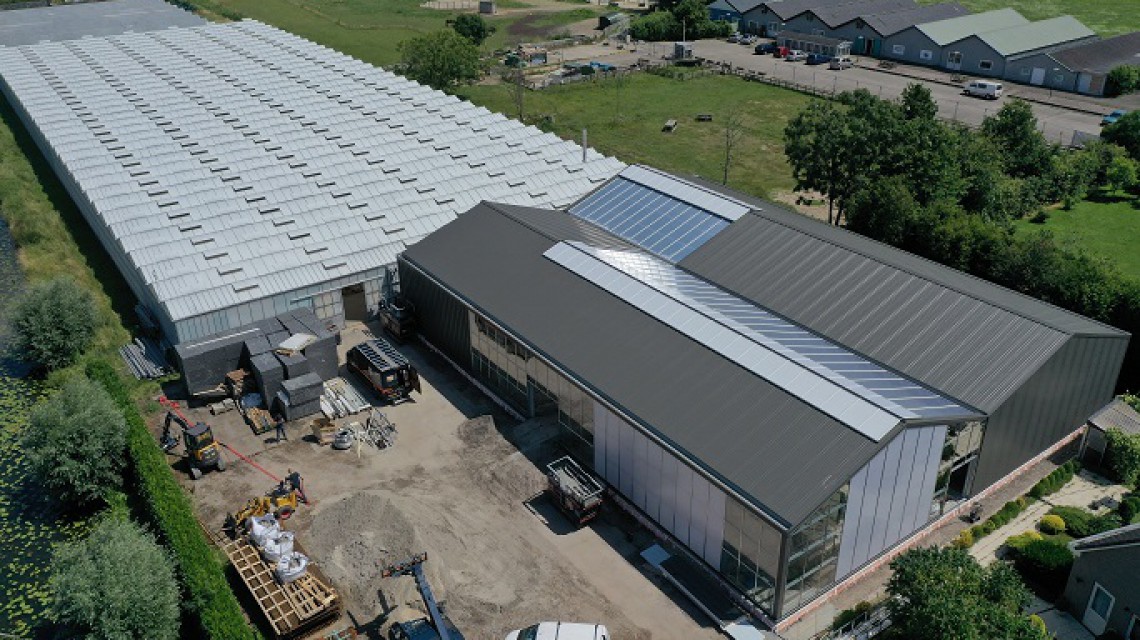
x: 954, y: 61
x: 1038, y: 76
x: 1083, y: 82
x: 355, y: 307
x: 1098, y: 610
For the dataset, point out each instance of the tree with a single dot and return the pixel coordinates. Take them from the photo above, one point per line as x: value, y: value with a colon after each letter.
x: 1120, y: 175
x: 1126, y: 133
x: 1123, y: 79
x: 944, y: 594
x: 473, y: 27
x: 918, y: 103
x: 115, y: 584
x: 883, y: 211
x: 1123, y: 455
x: 733, y: 130
x: 53, y: 323
x: 517, y: 87
x: 1023, y: 147
x: 440, y: 60
x: 815, y: 141
x: 76, y: 443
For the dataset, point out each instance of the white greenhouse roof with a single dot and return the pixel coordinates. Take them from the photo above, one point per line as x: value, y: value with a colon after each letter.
x: 231, y: 162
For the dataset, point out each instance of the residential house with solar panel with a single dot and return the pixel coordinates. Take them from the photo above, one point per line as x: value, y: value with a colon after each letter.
x: 789, y: 401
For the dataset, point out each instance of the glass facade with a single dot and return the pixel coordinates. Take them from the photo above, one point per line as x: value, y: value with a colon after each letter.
x: 956, y: 468
x: 532, y: 387
x: 750, y: 554
x: 814, y: 552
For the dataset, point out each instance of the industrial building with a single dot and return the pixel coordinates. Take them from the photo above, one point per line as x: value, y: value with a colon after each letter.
x: 235, y: 172
x: 789, y: 400
x: 1083, y: 68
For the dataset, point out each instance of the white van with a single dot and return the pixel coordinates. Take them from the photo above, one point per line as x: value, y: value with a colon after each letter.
x: 983, y: 89
x: 561, y: 631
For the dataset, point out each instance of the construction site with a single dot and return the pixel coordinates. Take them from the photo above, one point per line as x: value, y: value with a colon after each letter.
x: 452, y: 481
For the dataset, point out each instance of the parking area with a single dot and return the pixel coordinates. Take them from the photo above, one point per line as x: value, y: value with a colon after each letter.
x: 463, y: 483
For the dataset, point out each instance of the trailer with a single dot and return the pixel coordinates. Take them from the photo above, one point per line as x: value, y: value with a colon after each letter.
x: 384, y: 368
x: 577, y: 493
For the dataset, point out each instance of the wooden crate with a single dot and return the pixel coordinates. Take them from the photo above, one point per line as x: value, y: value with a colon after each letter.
x: 293, y: 608
x: 259, y: 420
x: 324, y: 430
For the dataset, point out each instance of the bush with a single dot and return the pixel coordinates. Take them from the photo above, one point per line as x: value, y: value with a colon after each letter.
x: 1123, y: 456
x: 209, y: 595
x: 988, y: 527
x: 1020, y: 540
x: 977, y: 531
x: 1081, y: 523
x: 1123, y: 79
x: 1052, y: 524
x: 848, y: 615
x: 76, y: 443
x: 1053, y: 482
x: 965, y: 540
x: 1129, y: 510
x: 1046, y: 561
x: 116, y: 583
x: 53, y: 322
x: 1039, y: 625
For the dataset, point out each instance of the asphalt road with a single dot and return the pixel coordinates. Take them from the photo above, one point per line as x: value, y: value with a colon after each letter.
x: 1058, y: 124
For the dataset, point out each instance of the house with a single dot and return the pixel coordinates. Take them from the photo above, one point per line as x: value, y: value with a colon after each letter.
x: 790, y: 401
x: 1104, y: 585
x: 743, y: 8
x: 924, y: 43
x: 868, y: 30
x: 724, y: 10
x: 1084, y: 68
x: 1001, y: 53
x: 824, y: 19
x: 770, y: 17
x: 1115, y: 415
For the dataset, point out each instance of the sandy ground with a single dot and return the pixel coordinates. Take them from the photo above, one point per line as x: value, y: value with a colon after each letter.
x: 463, y: 484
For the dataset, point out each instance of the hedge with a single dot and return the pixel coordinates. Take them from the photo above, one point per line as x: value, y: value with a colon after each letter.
x: 1045, y: 561
x: 1053, y: 482
x: 1129, y: 509
x: 1080, y: 523
x: 209, y: 595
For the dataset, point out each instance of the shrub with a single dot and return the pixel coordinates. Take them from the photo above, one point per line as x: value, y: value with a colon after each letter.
x: 1039, y: 625
x: 1020, y: 540
x: 1046, y: 561
x: 209, y: 595
x: 76, y: 443
x: 1053, y: 482
x: 1129, y: 510
x: 988, y: 527
x: 977, y: 532
x: 1022, y: 502
x: 1123, y: 79
x: 1053, y: 524
x: 1081, y: 523
x: 848, y: 615
x: 53, y: 322
x: 1123, y: 456
x: 965, y: 540
x: 116, y: 583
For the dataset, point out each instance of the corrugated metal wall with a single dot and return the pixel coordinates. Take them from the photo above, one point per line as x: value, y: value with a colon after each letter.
x: 441, y: 317
x: 1076, y: 381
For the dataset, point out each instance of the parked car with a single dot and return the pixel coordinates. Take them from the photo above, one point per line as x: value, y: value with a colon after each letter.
x: 1113, y: 117
x: 780, y: 52
x: 983, y: 89
x: 795, y: 55
x: 766, y: 47
x: 734, y: 38
x: 818, y: 58
x: 561, y: 631
x: 748, y: 40
x: 841, y: 62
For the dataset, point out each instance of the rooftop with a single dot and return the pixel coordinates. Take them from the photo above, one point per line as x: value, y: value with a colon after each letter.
x: 1037, y: 35
x: 887, y: 23
x: 1124, y: 536
x: 835, y: 15
x: 231, y: 162
x: 1116, y: 415
x: 73, y: 21
x: 1102, y: 56
x: 943, y: 32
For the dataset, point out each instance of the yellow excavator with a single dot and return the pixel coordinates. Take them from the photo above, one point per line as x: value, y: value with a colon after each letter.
x: 281, y: 501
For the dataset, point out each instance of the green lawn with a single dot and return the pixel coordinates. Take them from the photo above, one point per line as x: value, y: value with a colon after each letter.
x: 371, y: 30
x: 625, y: 121
x: 1105, y: 228
x: 1107, y: 18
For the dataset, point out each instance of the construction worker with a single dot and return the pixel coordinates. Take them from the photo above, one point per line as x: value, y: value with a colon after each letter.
x: 280, y: 424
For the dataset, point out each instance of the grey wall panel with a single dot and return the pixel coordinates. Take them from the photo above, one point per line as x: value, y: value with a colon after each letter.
x: 1077, y: 381
x: 441, y: 318
x: 890, y: 496
x: 714, y: 534
x: 641, y: 465
x: 653, y: 486
x: 1116, y: 571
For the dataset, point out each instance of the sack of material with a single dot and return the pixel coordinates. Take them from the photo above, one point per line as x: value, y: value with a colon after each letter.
x: 277, y: 546
x: 290, y: 567
x: 261, y: 528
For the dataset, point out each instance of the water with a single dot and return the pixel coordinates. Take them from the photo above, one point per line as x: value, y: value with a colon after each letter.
x: 30, y: 522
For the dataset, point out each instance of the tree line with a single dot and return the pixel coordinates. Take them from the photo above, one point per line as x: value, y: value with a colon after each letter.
x: 893, y: 172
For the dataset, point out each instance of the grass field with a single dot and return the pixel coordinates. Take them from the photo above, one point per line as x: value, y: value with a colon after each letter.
x: 371, y: 30
x: 1106, y: 228
x: 1105, y: 17
x: 625, y: 120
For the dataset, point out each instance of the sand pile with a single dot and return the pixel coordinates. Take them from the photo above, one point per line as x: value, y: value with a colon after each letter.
x: 354, y: 539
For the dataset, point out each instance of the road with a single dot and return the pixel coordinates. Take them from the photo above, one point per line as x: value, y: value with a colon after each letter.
x: 1058, y: 124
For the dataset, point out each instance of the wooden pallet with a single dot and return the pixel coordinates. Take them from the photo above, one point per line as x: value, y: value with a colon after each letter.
x: 291, y: 608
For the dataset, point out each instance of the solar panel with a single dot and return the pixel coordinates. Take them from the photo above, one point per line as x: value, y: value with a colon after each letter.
x: 843, y: 384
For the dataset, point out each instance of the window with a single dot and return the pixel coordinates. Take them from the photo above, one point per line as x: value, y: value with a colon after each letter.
x: 1025, y: 71
x: 898, y: 49
x: 926, y: 54
x: 1101, y: 602
x: 955, y: 58
x: 986, y: 65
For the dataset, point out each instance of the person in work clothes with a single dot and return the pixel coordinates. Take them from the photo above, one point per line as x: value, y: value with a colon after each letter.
x: 280, y: 424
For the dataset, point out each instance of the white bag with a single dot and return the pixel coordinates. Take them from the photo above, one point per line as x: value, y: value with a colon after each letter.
x: 291, y: 566
x: 261, y: 528
x: 277, y: 545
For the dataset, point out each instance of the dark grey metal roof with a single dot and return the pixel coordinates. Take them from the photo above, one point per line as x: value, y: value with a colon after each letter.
x: 1116, y: 415
x: 684, y: 393
x: 1101, y: 56
x: 1128, y: 535
x: 891, y: 22
x: 785, y: 9
x: 70, y: 22
x: 966, y: 337
x: 835, y: 15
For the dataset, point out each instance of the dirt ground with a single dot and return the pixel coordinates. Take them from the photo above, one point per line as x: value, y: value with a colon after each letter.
x: 463, y: 484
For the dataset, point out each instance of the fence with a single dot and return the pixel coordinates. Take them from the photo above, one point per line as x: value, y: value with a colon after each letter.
x: 865, y: 626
